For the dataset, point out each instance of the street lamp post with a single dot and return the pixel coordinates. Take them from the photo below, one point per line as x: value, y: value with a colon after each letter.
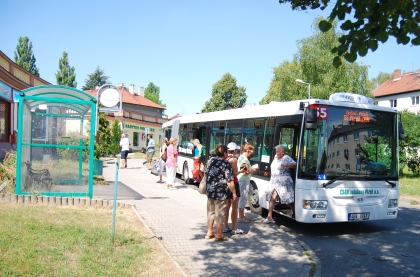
x: 300, y: 82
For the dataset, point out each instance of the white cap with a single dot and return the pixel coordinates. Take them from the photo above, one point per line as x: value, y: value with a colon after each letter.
x: 232, y: 146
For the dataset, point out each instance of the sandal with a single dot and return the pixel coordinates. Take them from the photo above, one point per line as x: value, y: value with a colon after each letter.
x: 209, y: 237
x: 244, y: 220
x: 160, y: 182
x: 268, y: 221
x: 222, y: 239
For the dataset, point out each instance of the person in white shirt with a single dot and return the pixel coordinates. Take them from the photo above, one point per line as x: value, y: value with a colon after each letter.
x: 125, y: 146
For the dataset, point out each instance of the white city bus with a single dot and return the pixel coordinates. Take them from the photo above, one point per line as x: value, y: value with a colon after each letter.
x: 346, y: 150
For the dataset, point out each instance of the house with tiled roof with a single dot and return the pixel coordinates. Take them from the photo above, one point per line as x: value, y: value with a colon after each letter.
x: 402, y: 91
x: 139, y: 116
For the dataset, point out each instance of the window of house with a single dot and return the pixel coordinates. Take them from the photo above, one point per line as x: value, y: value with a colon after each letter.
x: 346, y: 154
x: 393, y: 102
x: 338, y: 140
x: 345, y: 138
x: 333, y: 154
x: 414, y: 100
x: 337, y: 166
x: 356, y: 136
x: 338, y: 154
x: 348, y: 167
x: 4, y: 120
x: 357, y: 152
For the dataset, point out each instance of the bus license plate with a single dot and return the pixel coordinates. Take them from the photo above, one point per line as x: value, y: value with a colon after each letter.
x: 359, y: 216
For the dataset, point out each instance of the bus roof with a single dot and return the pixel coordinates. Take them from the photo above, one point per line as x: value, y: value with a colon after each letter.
x: 268, y: 110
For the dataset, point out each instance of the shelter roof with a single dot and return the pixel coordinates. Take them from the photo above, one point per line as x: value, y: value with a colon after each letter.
x: 45, y: 94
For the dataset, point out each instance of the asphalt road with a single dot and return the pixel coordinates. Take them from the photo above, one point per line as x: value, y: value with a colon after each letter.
x: 363, y: 249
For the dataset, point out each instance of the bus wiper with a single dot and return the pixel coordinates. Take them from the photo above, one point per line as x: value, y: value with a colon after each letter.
x: 340, y: 177
x: 382, y: 179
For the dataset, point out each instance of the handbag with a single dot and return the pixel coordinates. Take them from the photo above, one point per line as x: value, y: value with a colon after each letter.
x: 164, y: 155
x: 202, y: 188
x: 155, y: 167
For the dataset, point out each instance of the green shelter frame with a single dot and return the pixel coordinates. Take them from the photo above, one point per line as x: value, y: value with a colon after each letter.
x: 55, y: 145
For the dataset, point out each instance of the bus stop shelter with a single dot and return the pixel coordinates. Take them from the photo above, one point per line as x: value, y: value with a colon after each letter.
x: 55, y: 145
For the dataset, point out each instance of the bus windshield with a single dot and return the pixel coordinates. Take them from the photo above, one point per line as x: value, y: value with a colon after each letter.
x: 358, y: 143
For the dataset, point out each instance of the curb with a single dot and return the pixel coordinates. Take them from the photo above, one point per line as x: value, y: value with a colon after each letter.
x: 60, y: 201
x: 305, y: 248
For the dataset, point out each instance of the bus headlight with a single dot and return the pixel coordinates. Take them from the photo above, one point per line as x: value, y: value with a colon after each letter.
x: 315, y: 204
x: 393, y: 203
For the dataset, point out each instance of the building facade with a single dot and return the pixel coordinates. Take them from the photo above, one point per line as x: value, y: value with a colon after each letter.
x: 13, y: 79
x: 139, y: 117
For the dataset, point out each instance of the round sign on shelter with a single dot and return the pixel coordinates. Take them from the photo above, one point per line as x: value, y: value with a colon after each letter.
x: 109, y: 97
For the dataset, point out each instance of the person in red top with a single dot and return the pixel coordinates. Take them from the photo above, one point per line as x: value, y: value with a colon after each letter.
x: 232, y: 147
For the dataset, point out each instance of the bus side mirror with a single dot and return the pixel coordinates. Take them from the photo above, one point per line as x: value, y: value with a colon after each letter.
x: 400, y: 131
x: 311, y: 119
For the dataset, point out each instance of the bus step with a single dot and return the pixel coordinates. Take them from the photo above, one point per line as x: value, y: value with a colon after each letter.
x: 288, y: 213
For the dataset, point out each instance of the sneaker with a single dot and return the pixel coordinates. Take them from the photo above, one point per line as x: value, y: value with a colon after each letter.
x: 268, y: 221
x: 237, y: 232
x: 227, y: 230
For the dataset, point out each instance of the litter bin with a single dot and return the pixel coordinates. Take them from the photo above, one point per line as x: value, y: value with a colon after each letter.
x: 98, y: 167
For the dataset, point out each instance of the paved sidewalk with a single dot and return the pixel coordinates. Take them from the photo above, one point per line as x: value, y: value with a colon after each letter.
x: 179, y: 217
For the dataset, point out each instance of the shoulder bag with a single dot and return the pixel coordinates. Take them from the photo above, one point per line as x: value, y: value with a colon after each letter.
x: 202, y: 188
x: 164, y: 155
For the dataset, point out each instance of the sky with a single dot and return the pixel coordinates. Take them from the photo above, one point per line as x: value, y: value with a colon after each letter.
x: 184, y: 47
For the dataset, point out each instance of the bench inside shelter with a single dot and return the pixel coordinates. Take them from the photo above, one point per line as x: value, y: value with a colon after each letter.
x: 39, y: 177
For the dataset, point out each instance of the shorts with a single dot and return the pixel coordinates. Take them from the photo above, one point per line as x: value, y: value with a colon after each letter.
x: 149, y: 156
x: 216, y: 210
x: 245, y: 189
x: 124, y: 154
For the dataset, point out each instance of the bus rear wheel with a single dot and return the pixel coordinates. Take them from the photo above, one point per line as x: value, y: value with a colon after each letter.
x: 254, y: 199
x: 185, y: 174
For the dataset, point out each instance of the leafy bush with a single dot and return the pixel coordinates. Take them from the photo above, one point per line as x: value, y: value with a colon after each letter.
x: 8, y: 171
x: 413, y: 163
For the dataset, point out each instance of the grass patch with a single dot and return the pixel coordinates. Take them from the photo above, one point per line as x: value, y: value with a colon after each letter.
x: 409, y: 184
x: 40, y: 240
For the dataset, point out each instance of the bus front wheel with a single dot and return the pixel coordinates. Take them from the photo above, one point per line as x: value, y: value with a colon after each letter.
x: 185, y: 174
x: 254, y: 199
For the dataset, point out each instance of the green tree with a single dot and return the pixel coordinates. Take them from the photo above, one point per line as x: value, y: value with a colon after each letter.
x: 25, y: 57
x: 152, y: 92
x: 65, y: 75
x: 411, y: 141
x: 379, y: 80
x: 116, y: 132
x: 226, y: 95
x: 366, y: 23
x: 96, y: 79
x: 312, y: 63
x: 103, y: 137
